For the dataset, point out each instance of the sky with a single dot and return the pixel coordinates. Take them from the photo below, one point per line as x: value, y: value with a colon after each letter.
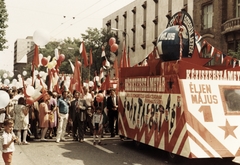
x: 61, y: 18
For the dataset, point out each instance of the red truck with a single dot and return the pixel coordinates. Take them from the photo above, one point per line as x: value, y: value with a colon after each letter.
x: 186, y: 100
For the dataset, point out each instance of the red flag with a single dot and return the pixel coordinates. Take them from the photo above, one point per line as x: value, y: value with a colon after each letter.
x: 24, y: 89
x: 71, y: 85
x: 90, y: 58
x: 49, y: 83
x: 124, y: 58
x: 107, y: 80
x: 84, y: 55
x: 35, y: 61
x: 115, y: 66
x: 77, y: 76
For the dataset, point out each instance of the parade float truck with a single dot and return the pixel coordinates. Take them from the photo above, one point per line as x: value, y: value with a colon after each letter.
x: 186, y: 100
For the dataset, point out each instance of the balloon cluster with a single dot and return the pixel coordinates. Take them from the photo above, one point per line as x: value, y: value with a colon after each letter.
x: 54, y: 63
x: 113, y: 45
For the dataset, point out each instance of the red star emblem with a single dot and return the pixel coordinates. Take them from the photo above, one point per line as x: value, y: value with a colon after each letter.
x: 228, y: 129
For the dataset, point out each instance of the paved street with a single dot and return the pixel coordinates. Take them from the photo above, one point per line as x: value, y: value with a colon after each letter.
x: 113, y: 151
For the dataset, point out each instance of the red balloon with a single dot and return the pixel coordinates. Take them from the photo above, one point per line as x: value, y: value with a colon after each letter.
x: 99, y: 97
x: 61, y: 57
x: 29, y: 100
x: 114, y: 47
x: 44, y: 61
x: 112, y: 41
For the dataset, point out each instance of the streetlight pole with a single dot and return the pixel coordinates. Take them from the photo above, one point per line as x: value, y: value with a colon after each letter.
x: 125, y: 34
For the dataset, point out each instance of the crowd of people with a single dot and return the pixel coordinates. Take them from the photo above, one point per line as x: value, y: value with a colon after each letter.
x: 57, y: 115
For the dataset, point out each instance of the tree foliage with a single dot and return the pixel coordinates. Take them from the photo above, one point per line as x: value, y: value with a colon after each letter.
x: 3, y: 25
x: 96, y: 39
x: 235, y: 54
x: 93, y: 39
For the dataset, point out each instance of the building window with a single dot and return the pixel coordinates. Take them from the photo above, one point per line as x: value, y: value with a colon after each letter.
x: 237, y: 8
x: 143, y: 45
x: 134, y: 10
x: 207, y: 16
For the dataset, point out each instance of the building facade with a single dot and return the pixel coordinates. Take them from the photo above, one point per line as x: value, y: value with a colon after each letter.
x: 218, y: 21
x: 21, y: 48
x: 142, y: 22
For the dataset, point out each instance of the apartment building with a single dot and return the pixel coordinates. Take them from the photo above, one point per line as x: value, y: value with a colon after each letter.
x: 21, y: 48
x: 218, y: 21
x: 142, y: 21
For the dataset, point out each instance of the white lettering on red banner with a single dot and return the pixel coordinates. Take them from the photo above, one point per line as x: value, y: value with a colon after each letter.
x: 145, y: 84
x: 212, y: 75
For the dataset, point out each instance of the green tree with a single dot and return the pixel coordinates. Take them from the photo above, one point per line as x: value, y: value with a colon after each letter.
x: 95, y: 39
x: 3, y: 25
x: 235, y: 54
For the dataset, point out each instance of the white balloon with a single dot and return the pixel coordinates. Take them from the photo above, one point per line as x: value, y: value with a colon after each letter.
x: 18, y: 85
x: 24, y: 73
x: 36, y: 94
x: 6, y: 82
x: 5, y: 99
x: 29, y: 81
x: 11, y: 74
x: 41, y: 37
x: 19, y: 76
x: 90, y: 84
x: 30, y: 90
x: 14, y: 81
x: 5, y: 75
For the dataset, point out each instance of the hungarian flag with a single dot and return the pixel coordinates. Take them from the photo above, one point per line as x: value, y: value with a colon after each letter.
x: 84, y: 55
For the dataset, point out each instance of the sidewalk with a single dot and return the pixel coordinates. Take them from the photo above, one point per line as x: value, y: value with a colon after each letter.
x: 19, y: 158
x: 40, y: 153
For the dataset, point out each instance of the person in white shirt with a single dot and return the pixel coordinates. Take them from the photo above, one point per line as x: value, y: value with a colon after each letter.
x: 89, y: 102
x: 8, y: 138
